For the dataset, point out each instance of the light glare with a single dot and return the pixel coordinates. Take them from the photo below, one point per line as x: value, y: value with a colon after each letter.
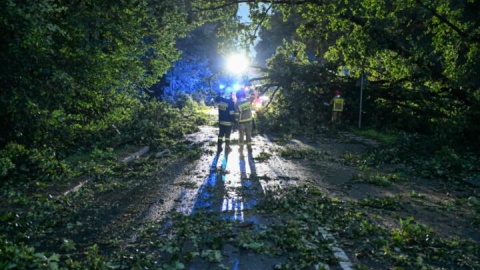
x: 237, y: 63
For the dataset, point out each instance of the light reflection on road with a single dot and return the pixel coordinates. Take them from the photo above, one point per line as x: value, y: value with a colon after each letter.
x: 233, y: 186
x: 229, y: 186
x: 234, y: 183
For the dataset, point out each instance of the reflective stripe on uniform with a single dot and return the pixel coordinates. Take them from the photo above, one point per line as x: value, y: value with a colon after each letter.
x: 225, y: 123
x: 245, y: 120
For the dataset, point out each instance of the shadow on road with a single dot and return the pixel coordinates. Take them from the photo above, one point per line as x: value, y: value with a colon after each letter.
x: 211, y: 192
x: 232, y: 186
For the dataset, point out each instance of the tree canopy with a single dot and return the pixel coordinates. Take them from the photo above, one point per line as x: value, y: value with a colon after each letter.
x: 420, y: 57
x: 72, y: 70
x: 69, y: 64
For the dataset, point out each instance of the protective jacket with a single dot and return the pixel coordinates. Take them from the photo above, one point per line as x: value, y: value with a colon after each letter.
x: 338, y: 104
x: 226, y: 111
x: 243, y: 110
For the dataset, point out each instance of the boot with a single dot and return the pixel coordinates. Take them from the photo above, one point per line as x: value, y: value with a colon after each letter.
x: 219, y: 145
x: 227, y: 147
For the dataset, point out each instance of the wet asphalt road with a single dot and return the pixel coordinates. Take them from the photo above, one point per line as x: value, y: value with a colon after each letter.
x: 230, y: 183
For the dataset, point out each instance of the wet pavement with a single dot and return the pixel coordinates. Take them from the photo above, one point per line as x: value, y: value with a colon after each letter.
x: 231, y: 183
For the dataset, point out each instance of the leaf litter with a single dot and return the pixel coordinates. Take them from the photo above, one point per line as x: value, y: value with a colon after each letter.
x: 275, y: 218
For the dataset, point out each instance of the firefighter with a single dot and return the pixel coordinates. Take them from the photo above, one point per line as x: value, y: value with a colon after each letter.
x: 226, y: 118
x: 337, y: 108
x: 244, y: 116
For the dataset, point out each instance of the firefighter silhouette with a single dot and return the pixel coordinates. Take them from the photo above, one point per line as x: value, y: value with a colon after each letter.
x: 337, y: 108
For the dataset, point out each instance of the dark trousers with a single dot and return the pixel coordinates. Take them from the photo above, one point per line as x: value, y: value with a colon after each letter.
x: 224, y: 134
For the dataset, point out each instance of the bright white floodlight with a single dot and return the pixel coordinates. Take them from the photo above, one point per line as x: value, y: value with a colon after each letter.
x: 237, y: 63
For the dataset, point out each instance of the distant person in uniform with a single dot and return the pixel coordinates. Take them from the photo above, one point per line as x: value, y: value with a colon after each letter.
x: 226, y: 118
x: 337, y: 107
